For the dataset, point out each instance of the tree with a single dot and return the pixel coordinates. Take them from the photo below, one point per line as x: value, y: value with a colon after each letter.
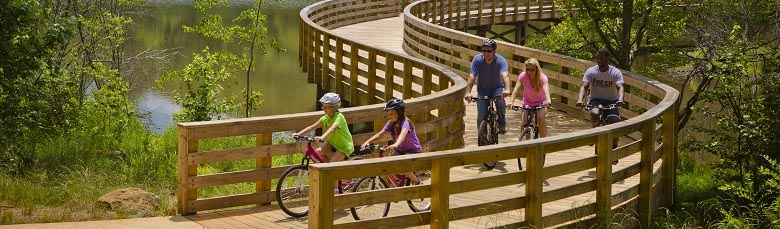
x: 246, y: 31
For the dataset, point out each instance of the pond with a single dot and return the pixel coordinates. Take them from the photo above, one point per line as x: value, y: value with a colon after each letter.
x: 159, y: 27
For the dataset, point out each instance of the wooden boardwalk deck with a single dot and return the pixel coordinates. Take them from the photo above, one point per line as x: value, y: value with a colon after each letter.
x: 388, y: 34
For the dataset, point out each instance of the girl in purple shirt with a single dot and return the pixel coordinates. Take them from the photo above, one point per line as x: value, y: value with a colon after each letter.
x: 402, y: 130
x: 536, y: 91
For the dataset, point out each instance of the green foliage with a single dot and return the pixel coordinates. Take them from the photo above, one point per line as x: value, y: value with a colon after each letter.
x: 202, y: 86
x: 246, y: 30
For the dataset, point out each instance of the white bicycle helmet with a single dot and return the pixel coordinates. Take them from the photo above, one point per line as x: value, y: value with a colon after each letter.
x: 331, y: 99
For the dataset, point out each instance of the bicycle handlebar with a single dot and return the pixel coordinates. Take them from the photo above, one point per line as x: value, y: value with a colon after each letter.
x: 474, y: 98
x: 528, y: 108
x: 303, y: 139
x: 600, y: 107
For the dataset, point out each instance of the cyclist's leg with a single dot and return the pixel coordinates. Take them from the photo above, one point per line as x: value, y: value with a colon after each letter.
x: 409, y: 175
x: 594, y: 113
x: 482, y: 108
x: 325, y: 150
x: 613, y: 116
x: 523, y: 121
x: 501, y: 111
x: 540, y: 121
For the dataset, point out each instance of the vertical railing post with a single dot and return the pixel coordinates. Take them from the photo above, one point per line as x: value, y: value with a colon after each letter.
x: 389, y: 76
x: 533, y: 187
x: 317, y: 55
x: 320, y: 198
x: 646, y: 173
x: 440, y: 193
x: 371, y: 93
x: 264, y: 162
x: 604, y: 177
x: 339, y: 75
x: 353, y: 73
x: 408, y: 74
x: 669, y: 153
x: 326, y: 82
x: 186, y: 195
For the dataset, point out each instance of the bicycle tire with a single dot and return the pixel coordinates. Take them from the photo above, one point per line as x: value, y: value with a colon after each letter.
x: 373, y: 211
x: 484, y: 138
x: 418, y: 205
x: 292, y: 191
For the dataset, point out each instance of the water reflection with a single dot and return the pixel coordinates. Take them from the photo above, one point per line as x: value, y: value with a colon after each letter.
x: 277, y: 75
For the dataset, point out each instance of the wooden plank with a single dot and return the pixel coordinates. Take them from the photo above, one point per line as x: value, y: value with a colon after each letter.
x: 440, y: 196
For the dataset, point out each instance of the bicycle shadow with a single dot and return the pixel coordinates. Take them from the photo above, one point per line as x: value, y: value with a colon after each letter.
x: 500, y: 167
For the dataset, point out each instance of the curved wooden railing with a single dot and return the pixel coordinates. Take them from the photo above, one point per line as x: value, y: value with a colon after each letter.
x: 360, y: 74
x: 429, y: 32
x: 363, y: 75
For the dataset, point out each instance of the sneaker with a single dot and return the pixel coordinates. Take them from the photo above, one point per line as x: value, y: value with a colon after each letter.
x: 501, y: 129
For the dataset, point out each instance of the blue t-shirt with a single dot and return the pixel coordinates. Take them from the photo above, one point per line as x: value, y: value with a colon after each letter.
x: 411, y: 144
x: 488, y: 76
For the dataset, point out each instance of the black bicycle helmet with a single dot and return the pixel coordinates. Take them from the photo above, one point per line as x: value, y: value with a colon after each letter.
x: 489, y: 42
x: 395, y: 103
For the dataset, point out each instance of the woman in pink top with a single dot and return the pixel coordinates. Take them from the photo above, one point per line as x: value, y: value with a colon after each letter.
x: 536, y: 91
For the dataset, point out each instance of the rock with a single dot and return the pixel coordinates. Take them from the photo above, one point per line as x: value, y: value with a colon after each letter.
x: 133, y: 201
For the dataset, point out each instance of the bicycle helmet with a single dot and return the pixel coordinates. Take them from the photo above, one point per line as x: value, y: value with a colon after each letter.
x: 395, y: 103
x: 489, y: 42
x: 331, y: 99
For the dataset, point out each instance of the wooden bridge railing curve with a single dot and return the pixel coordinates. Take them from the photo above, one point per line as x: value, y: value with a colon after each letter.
x: 650, y: 121
x: 361, y: 74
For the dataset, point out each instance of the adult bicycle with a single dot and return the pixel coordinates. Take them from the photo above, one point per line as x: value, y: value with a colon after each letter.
x: 488, y: 128
x: 602, y: 117
x: 530, y: 129
x: 374, y: 211
x: 292, y: 190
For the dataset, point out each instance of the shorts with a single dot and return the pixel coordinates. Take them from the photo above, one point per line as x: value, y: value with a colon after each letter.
x: 604, y: 102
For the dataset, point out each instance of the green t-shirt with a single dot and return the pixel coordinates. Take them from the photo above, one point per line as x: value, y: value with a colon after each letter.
x: 341, y: 139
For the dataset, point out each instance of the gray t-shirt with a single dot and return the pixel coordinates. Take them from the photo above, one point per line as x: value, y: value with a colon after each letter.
x: 603, y: 85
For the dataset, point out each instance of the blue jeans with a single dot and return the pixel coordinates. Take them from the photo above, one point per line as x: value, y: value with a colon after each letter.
x: 500, y: 106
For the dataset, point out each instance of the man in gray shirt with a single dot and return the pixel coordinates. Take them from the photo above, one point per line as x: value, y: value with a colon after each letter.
x: 605, y: 83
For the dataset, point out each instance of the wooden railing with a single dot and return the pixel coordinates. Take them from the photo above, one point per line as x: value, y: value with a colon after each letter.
x: 363, y: 75
x: 430, y: 33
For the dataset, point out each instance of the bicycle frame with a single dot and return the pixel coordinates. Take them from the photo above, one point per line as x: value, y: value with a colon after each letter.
x: 310, y: 154
x: 530, y: 116
x: 396, y: 179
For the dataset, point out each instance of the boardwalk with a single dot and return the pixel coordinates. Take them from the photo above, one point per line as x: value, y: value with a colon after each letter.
x: 387, y: 34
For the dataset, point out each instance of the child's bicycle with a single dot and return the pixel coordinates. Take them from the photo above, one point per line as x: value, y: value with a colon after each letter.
x: 375, y: 211
x: 530, y: 129
x: 292, y: 190
x: 487, y: 133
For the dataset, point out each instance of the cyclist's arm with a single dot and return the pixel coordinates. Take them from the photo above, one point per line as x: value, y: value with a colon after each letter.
x: 401, y: 139
x: 372, y: 138
x: 514, y: 94
x: 585, y: 86
x: 309, y: 128
x: 329, y: 131
x: 620, y: 94
x: 546, y: 88
x: 505, y: 77
x: 469, y: 85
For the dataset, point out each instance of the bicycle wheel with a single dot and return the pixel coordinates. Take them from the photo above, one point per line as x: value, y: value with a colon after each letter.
x: 418, y: 205
x: 372, y: 211
x: 527, y: 133
x: 292, y: 191
x: 484, y: 138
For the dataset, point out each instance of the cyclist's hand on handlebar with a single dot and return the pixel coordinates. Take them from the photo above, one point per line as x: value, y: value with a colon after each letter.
x: 579, y: 103
x: 505, y: 93
x: 467, y: 97
x: 390, y: 148
x: 364, y: 146
x: 319, y: 139
x: 619, y: 103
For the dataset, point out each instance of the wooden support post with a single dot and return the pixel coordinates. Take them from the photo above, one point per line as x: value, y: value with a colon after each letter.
x: 353, y: 74
x: 564, y: 85
x: 389, y: 75
x: 468, y: 16
x: 604, y: 177
x: 186, y: 195
x: 646, y: 173
x: 479, y: 18
x: 317, y: 55
x: 339, y: 81
x: 310, y: 54
x: 440, y: 193
x: 668, y: 167
x: 371, y: 76
x: 264, y: 162
x: 302, y: 44
x: 533, y: 187
x: 326, y: 82
x: 320, y: 199
x: 408, y: 75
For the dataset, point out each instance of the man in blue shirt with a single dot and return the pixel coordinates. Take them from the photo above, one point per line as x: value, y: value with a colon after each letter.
x: 491, y: 72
